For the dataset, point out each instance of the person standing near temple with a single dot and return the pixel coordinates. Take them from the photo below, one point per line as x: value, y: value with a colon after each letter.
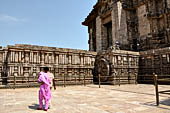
x: 44, y: 92
x: 51, y: 76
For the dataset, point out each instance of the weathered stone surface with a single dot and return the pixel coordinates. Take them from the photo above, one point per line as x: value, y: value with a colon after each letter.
x: 29, y: 60
x: 116, y: 67
x: 136, y: 24
x: 154, y: 61
x: 90, y: 99
x: 98, y: 34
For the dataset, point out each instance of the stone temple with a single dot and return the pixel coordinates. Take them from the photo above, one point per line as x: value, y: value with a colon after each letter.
x: 129, y: 40
x: 134, y: 25
x: 137, y: 25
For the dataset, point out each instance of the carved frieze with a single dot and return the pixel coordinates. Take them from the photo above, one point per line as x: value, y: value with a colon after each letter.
x: 29, y: 60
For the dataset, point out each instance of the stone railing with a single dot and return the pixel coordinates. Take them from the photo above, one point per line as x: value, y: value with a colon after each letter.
x: 24, y: 62
x: 152, y: 62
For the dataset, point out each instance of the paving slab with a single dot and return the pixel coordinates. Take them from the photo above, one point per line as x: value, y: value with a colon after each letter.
x: 88, y: 99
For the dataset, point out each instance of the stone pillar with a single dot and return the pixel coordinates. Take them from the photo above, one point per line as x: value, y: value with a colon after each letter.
x: 4, y: 56
x: 56, y: 58
x: 46, y: 58
x: 1, y: 57
x: 122, y: 25
x: 60, y: 59
x: 31, y: 57
x: 39, y: 59
x: 20, y: 56
x: 52, y: 58
x: 11, y: 56
x: 119, y: 25
x: 22, y: 71
x: 115, y: 22
x: 104, y: 39
x: 98, y: 34
x: 27, y: 57
x: 17, y: 57
x: 19, y: 70
x: 91, y: 39
x: 42, y: 57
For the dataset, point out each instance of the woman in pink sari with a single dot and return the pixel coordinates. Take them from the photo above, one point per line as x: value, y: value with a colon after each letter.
x: 44, y: 92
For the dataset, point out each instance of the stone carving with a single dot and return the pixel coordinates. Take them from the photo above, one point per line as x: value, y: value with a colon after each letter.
x: 101, y: 67
x: 29, y: 60
x: 143, y: 24
x: 154, y: 61
x: 116, y: 66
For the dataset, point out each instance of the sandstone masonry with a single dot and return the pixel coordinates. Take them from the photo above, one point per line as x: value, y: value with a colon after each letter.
x: 29, y: 60
x: 136, y: 25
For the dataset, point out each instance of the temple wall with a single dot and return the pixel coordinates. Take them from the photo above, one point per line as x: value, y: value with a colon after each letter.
x: 144, y: 25
x: 119, y: 24
x: 153, y: 23
x: 122, y: 26
x: 154, y: 61
x: 28, y: 61
x: 138, y: 25
x: 116, y: 67
x: 168, y: 3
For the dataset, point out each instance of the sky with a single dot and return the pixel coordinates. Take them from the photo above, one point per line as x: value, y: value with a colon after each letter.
x: 55, y: 23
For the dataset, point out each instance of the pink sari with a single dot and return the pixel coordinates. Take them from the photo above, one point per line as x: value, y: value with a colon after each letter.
x: 44, y: 92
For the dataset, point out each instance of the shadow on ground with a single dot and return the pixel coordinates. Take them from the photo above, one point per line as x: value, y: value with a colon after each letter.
x: 33, y: 106
x: 165, y: 103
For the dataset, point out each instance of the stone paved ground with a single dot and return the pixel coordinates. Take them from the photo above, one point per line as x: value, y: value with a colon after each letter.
x: 88, y: 99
